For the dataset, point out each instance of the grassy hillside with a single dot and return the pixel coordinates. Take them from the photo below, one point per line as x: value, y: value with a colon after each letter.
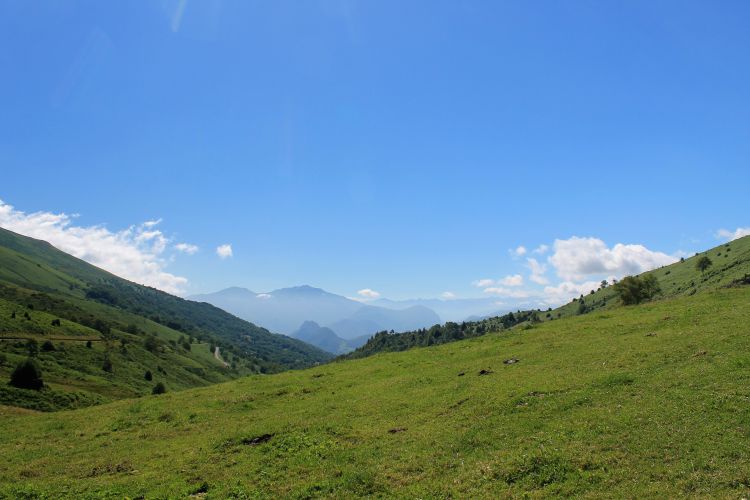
x: 730, y: 264
x: 638, y: 401
x: 47, y: 295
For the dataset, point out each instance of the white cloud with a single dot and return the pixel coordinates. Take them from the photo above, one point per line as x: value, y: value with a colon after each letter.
x: 733, y: 235
x: 134, y: 253
x: 224, y: 251
x: 368, y: 293
x: 565, y: 291
x: 519, y: 251
x: 541, y: 249
x: 484, y: 283
x: 186, y: 248
x: 447, y: 295
x: 264, y: 296
x: 577, y: 258
x: 152, y: 223
x: 514, y: 280
x: 537, y: 271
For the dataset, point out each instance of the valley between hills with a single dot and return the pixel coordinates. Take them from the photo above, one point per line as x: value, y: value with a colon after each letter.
x: 596, y: 398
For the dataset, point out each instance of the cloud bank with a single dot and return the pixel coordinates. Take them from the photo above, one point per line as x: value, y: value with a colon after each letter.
x: 135, y: 253
x: 576, y: 258
x: 580, y: 264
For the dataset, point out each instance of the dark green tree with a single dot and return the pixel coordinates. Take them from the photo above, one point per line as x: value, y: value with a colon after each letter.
x: 48, y: 346
x: 159, y: 388
x: 148, y: 376
x: 634, y: 290
x: 582, y: 309
x: 703, y: 263
x: 150, y: 343
x: 27, y: 375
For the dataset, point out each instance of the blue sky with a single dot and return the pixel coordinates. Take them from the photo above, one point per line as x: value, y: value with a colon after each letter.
x: 402, y: 147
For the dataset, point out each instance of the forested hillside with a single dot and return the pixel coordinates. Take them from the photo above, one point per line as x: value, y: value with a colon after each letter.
x: 95, y: 336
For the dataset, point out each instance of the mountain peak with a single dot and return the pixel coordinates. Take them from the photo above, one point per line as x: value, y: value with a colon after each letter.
x: 301, y: 290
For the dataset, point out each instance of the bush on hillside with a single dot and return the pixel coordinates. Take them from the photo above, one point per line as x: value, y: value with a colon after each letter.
x: 159, y: 388
x: 48, y: 346
x: 150, y: 343
x: 703, y: 264
x: 634, y: 290
x: 32, y: 346
x: 148, y: 376
x: 27, y: 375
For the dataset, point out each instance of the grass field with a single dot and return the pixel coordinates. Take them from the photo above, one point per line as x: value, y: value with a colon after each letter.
x: 642, y: 401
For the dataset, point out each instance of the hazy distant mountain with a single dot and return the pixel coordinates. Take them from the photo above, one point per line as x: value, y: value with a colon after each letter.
x: 326, y: 339
x: 450, y: 310
x: 371, y: 319
x: 284, y: 310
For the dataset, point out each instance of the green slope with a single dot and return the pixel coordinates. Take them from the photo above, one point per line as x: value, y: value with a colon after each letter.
x: 42, y: 285
x: 639, y: 401
x: 730, y: 265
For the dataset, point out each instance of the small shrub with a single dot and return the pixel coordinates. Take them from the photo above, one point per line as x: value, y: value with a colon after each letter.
x: 703, y: 264
x: 27, y: 375
x: 148, y: 376
x: 89, y: 344
x: 159, y: 388
x: 48, y: 346
x: 150, y: 343
x: 634, y: 290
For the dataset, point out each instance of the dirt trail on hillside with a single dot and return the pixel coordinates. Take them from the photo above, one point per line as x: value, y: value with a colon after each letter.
x: 218, y: 356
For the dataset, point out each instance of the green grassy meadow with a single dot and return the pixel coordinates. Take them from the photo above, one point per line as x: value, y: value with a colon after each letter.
x: 642, y: 401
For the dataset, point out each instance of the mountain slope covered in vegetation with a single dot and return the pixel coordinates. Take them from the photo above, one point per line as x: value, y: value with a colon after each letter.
x: 95, y: 335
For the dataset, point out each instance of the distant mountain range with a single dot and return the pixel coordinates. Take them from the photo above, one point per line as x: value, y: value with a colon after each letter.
x: 456, y: 310
x: 287, y: 309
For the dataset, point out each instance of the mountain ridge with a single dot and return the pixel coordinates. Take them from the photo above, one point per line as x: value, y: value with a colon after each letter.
x: 50, y: 298
x: 285, y: 309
